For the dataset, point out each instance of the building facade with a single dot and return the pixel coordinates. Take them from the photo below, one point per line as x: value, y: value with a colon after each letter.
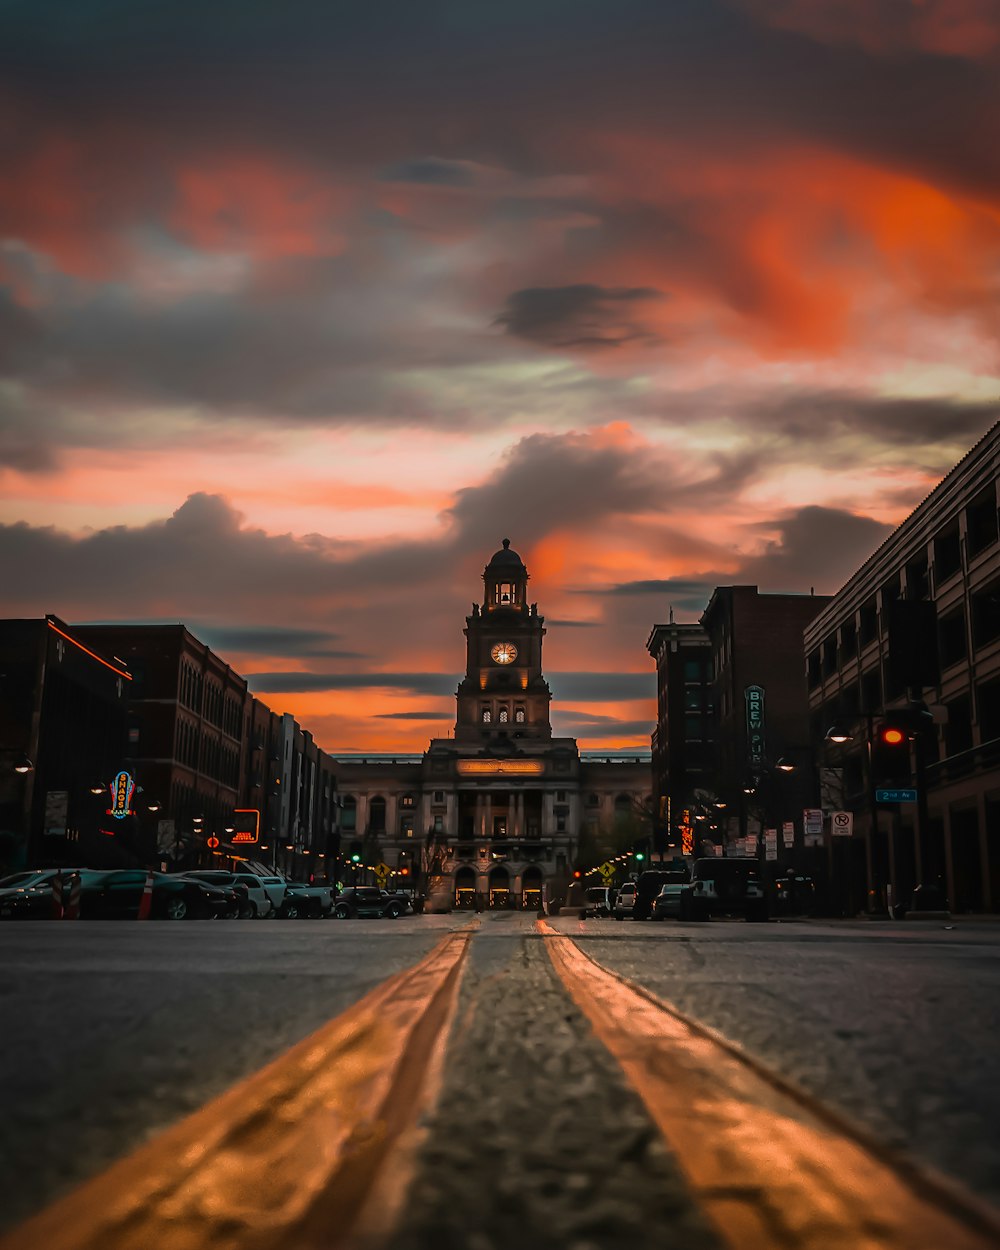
x: 495, y: 815
x: 683, y: 740
x: 945, y: 554
x: 64, y: 735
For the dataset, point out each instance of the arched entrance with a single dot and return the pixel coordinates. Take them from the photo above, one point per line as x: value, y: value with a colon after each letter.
x: 465, y: 888
x: 500, y: 895
x: 531, y: 889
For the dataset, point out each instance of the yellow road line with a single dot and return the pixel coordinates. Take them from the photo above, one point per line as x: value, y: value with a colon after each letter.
x: 770, y: 1166
x: 287, y: 1157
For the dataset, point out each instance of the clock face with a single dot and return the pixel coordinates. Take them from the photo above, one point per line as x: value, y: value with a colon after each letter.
x: 504, y: 653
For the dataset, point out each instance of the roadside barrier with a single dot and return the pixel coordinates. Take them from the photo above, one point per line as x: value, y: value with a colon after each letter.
x: 57, y: 896
x: 146, y: 902
x: 72, y: 911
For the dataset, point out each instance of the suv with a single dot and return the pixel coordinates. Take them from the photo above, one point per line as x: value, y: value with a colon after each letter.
x: 366, y: 900
x: 258, y: 899
x: 303, y: 898
x: 728, y: 887
x: 596, y: 902
x: 625, y: 900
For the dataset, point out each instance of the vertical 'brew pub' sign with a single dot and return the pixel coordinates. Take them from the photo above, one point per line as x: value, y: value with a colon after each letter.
x: 122, y: 789
x: 755, y: 723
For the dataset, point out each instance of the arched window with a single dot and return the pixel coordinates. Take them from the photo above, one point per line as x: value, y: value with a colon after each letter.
x: 503, y: 716
x: 349, y: 819
x: 487, y: 716
x: 519, y: 715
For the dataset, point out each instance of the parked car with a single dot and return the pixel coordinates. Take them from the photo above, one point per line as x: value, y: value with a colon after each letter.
x: 366, y: 900
x: 596, y: 902
x: 653, y: 880
x: 116, y: 895
x: 259, y: 899
x: 305, y: 899
x: 625, y: 900
x: 274, y: 886
x: 723, y: 887
x: 29, y: 895
x: 243, y: 908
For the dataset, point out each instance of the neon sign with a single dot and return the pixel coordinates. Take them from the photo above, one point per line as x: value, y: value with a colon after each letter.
x: 247, y: 822
x: 122, y: 789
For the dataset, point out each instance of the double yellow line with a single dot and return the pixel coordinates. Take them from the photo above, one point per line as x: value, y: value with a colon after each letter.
x: 299, y: 1155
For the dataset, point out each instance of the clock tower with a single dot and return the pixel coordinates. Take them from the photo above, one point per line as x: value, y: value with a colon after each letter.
x: 503, y: 698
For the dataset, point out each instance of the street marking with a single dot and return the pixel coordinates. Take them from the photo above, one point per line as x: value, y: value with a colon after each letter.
x: 771, y: 1166
x: 289, y: 1156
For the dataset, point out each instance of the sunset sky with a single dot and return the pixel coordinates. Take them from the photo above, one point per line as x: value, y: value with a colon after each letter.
x: 305, y: 306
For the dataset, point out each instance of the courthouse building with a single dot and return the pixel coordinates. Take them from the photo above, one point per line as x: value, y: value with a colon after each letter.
x: 494, y: 815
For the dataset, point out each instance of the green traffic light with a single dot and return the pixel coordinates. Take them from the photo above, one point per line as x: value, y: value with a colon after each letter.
x: 355, y: 859
x: 639, y: 855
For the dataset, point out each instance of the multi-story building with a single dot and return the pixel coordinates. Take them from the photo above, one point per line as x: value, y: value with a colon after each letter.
x: 187, y: 711
x: 760, y: 699
x: 683, y: 740
x: 64, y: 733
x: 495, y: 813
x: 945, y: 554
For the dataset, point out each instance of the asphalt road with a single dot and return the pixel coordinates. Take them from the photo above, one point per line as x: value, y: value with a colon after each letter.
x: 114, y: 1030
x: 895, y: 1024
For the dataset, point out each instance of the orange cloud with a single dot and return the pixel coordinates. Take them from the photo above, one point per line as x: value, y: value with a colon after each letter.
x: 965, y: 28
x: 260, y: 206
x: 787, y: 250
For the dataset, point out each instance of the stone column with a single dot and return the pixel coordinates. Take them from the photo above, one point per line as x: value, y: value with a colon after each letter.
x: 489, y: 816
x: 479, y: 816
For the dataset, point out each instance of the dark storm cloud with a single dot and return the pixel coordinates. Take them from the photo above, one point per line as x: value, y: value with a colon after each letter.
x: 577, y: 316
x: 602, y: 687
x: 441, y: 715
x: 656, y: 586
x: 929, y: 430
x: 342, y: 81
x: 553, y: 482
x: 584, y: 729
x: 816, y: 547
x: 263, y: 640
x: 297, y: 683
x: 565, y: 624
x: 431, y: 172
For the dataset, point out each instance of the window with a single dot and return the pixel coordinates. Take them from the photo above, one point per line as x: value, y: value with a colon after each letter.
x: 487, y: 715
x: 692, y: 699
x: 981, y: 521
x: 918, y: 582
x: 503, y: 716
x: 814, y: 671
x: 952, y: 638
x: 519, y: 716
x: 560, y: 796
x: 830, y: 655
x: 947, y: 553
x: 505, y: 593
x: 871, y: 690
x: 958, y: 730
x: 692, y: 670
x: 848, y: 641
x: 407, y: 801
x: 376, y: 815
x: 439, y: 824
x: 986, y: 614
x: 560, y: 824
x: 438, y: 796
x: 593, y: 800
x: 868, y: 631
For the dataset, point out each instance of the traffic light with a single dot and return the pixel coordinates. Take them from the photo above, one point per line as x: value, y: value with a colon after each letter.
x: 890, y: 756
x: 639, y: 856
x: 355, y: 859
x: 577, y: 874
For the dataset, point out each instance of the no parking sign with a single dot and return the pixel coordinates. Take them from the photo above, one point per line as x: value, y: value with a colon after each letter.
x: 842, y: 824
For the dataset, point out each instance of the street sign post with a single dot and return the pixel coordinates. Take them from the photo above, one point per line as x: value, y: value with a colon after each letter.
x: 896, y: 796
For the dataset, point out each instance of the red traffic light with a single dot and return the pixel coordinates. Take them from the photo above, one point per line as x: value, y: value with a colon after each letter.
x: 212, y: 842
x: 577, y: 873
x: 892, y: 736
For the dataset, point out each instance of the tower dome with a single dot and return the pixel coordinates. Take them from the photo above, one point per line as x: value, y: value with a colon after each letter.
x: 506, y: 580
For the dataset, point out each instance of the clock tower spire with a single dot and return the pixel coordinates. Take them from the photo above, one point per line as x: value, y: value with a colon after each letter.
x: 504, y: 697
